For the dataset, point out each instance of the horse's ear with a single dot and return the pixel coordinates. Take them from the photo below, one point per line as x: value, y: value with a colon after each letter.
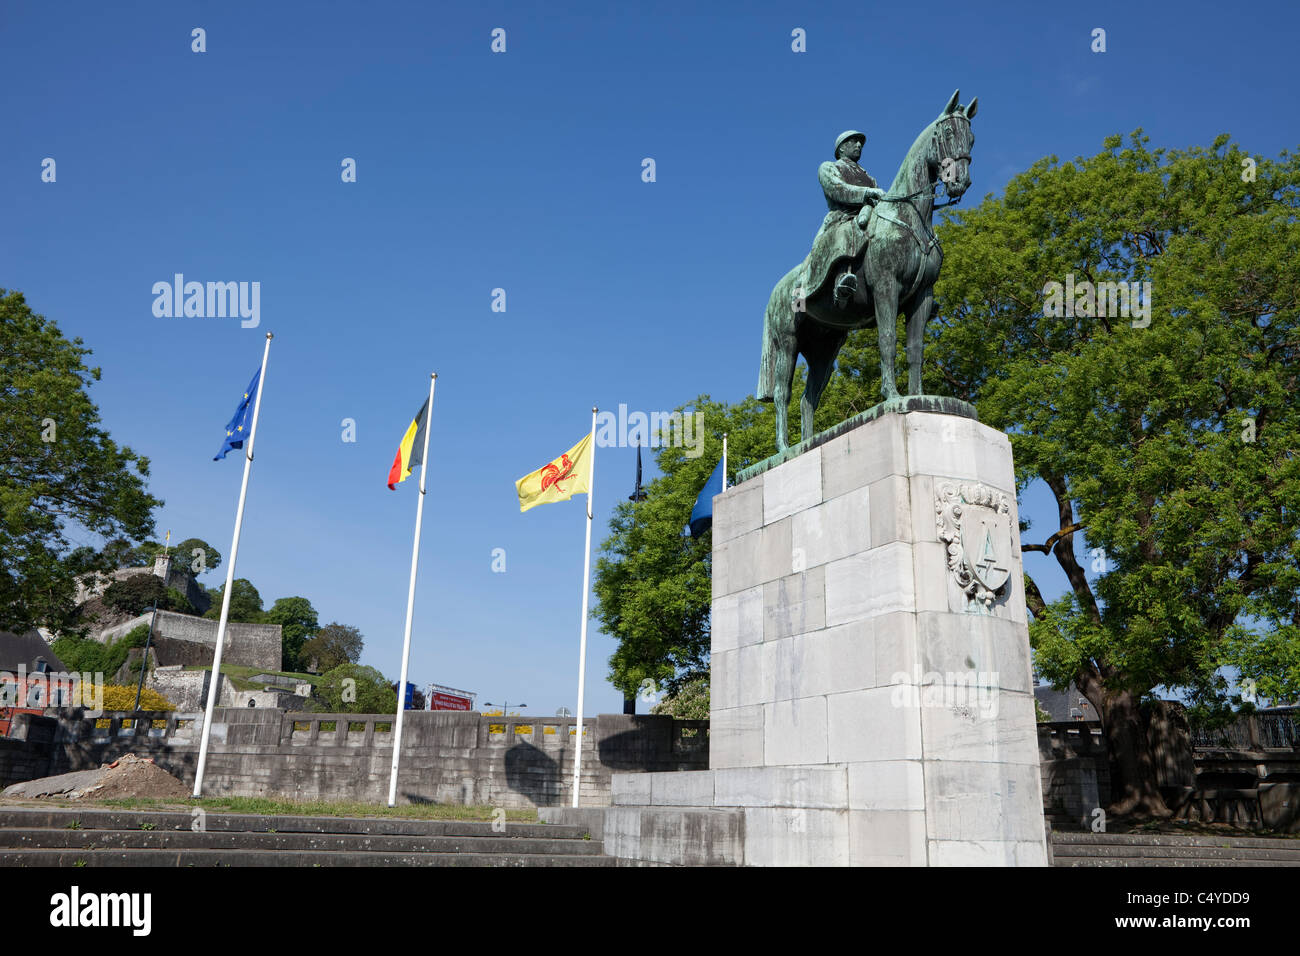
x: 952, y: 103
x: 970, y: 110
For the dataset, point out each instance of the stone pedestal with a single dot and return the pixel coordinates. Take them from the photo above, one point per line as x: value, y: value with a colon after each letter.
x: 872, y: 697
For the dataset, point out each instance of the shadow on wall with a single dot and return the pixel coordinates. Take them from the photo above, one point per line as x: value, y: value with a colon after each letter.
x: 533, y: 773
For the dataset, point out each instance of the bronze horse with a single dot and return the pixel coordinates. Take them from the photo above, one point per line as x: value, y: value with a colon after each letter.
x: 896, y: 272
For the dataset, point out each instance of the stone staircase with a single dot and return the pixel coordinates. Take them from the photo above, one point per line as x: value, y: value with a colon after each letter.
x: 39, y: 836
x: 1160, y: 849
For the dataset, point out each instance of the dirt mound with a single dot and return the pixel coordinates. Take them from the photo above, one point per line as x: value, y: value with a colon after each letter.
x: 132, y: 776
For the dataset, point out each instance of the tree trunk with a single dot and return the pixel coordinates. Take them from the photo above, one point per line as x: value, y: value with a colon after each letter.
x: 1134, y: 784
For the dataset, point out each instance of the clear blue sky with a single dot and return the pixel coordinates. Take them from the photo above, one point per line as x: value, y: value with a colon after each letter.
x: 519, y: 171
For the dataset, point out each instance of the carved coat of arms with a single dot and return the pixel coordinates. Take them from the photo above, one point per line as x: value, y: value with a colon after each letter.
x: 975, y: 522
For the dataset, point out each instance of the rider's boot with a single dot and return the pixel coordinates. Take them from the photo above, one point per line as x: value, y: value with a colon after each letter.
x: 846, y: 287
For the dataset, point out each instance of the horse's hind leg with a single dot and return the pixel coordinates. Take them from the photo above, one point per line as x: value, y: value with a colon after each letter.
x: 785, y: 350
x: 821, y: 362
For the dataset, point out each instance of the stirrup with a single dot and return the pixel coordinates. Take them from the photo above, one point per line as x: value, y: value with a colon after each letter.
x: 846, y: 286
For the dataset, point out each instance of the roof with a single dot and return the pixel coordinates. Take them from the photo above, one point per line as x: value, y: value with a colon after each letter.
x: 1069, y: 704
x: 24, y: 649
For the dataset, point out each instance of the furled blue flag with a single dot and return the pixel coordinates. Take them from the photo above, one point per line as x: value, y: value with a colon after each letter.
x: 242, y: 422
x: 702, y: 513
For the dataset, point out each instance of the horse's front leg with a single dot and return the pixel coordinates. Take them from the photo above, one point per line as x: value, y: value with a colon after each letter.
x: 885, y: 293
x: 916, y: 320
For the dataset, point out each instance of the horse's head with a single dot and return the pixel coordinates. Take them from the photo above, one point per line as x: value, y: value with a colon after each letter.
x: 950, y: 145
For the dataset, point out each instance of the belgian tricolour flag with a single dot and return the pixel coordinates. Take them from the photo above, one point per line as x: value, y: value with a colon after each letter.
x: 411, y: 451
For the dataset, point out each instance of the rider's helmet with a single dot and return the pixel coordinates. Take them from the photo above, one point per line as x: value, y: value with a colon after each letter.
x: 847, y: 135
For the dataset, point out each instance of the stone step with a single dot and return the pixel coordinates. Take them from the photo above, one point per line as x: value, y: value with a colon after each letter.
x: 13, y: 838
x: 282, y: 858
x: 1165, y: 861
x: 1062, y: 838
x: 100, y: 819
x: 1154, y: 851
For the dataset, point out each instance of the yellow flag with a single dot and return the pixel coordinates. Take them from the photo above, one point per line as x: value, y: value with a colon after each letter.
x: 560, y: 480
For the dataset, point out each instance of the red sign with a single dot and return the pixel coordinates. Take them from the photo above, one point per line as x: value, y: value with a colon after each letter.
x: 438, y: 701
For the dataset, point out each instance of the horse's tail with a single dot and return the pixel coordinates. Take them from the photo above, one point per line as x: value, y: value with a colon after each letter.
x: 776, y: 320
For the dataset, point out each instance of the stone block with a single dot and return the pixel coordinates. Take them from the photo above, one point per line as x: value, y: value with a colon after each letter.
x: 630, y: 789
x: 969, y: 801
x: 737, y: 511
x: 795, y: 604
x: 835, y: 529
x: 830, y: 661
x: 994, y: 650
x: 869, y: 584
x: 981, y: 723
x: 737, y: 619
x: 806, y: 787
x: 935, y: 587
x: 681, y: 836
x: 887, y: 838
x: 986, y: 853
x: 752, y: 673
x: 684, y: 789
x: 792, y: 486
x: 890, y: 511
x: 895, y: 639
x: 886, y: 785
x: 795, y: 732
x: 862, y: 456
x: 736, y: 737
x: 950, y: 447
x: 784, y: 836
x: 856, y: 727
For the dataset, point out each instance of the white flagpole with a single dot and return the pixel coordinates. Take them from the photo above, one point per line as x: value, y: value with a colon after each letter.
x: 724, y: 461
x: 214, y: 685
x: 410, y: 600
x: 586, y: 589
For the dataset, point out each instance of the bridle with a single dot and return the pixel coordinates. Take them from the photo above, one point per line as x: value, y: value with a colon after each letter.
x: 946, y: 149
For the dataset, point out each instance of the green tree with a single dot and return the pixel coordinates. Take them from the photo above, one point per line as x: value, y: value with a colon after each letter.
x: 298, y: 623
x: 1170, y: 448
x: 245, y: 603
x: 88, y: 656
x: 139, y: 592
x: 653, y: 581
x: 353, y: 689
x: 334, y: 644
x: 691, y: 702
x: 206, y: 559
x: 61, y: 471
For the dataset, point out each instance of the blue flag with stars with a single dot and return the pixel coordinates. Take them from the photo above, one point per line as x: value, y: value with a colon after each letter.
x: 242, y: 422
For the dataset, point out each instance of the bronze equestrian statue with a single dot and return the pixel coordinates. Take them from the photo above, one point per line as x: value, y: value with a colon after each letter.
x: 882, y: 243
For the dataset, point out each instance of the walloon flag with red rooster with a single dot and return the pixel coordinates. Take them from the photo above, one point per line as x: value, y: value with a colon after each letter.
x: 560, y: 480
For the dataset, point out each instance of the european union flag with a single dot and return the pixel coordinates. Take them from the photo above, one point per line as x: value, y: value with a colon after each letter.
x: 702, y: 513
x: 242, y: 422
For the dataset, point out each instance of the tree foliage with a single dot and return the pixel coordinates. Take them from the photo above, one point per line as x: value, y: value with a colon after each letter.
x: 60, y: 472
x: 334, y: 645
x: 298, y: 624
x: 1170, y: 447
x: 352, y: 689
x: 139, y: 592
x: 245, y: 603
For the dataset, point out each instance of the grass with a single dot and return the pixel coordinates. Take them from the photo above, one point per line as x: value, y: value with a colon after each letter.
x: 264, y: 806
x: 239, y: 675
